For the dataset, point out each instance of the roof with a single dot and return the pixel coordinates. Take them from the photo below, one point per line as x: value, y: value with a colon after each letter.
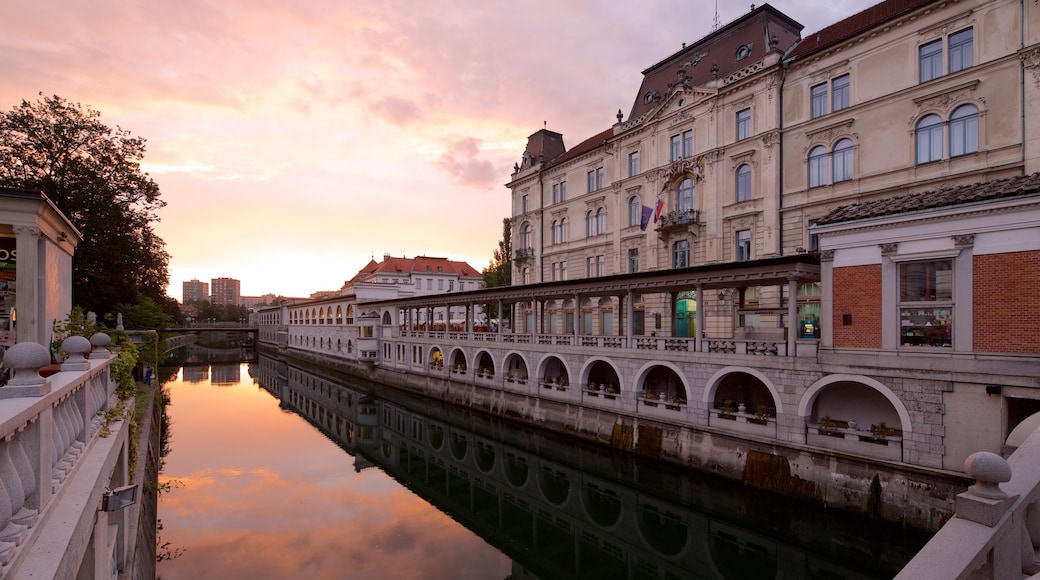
x: 693, y: 64
x: 1012, y: 187
x: 585, y: 146
x: 854, y: 25
x: 416, y: 265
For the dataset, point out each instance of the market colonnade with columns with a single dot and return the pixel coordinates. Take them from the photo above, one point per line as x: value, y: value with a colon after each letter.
x: 733, y: 390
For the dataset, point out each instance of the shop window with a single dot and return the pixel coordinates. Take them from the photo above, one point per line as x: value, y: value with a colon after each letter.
x: 926, y: 303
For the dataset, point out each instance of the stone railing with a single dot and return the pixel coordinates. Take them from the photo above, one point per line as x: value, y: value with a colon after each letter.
x: 61, y: 440
x: 996, y: 530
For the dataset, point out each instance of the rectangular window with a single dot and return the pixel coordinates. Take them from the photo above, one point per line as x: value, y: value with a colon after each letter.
x: 590, y: 181
x: 600, y: 269
x: 429, y: 283
x: 743, y: 253
x: 563, y: 270
x: 743, y: 124
x: 818, y: 100
x: 556, y: 193
x: 840, y: 93
x: 961, y: 50
x: 555, y: 271
x: 523, y: 204
x: 681, y: 254
x: 687, y: 143
x: 814, y: 239
x: 418, y: 283
x: 633, y: 260
x: 563, y: 191
x: 674, y: 149
x: 633, y: 164
x: 590, y: 264
x: 595, y: 179
x: 440, y: 284
x: 926, y: 303
x: 930, y: 60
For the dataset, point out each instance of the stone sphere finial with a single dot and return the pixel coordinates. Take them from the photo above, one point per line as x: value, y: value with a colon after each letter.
x: 989, y: 471
x: 77, y: 347
x: 100, y: 341
x: 25, y: 359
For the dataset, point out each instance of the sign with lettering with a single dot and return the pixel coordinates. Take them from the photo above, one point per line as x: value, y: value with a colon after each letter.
x: 8, y: 253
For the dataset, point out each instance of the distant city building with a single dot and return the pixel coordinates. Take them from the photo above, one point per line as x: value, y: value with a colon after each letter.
x: 225, y: 291
x: 194, y: 290
x: 251, y: 301
x: 416, y: 276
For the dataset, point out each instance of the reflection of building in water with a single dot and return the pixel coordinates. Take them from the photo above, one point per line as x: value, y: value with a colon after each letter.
x: 225, y: 375
x: 195, y: 374
x: 564, y: 510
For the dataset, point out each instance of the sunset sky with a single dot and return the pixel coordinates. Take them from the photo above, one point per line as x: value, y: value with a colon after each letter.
x: 294, y: 141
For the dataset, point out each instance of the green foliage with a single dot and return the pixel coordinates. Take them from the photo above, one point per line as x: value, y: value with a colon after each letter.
x: 92, y: 173
x: 144, y: 315
x: 221, y: 312
x: 123, y: 370
x: 500, y: 271
x: 76, y: 324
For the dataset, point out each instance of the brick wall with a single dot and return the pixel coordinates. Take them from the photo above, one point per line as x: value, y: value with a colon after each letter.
x: 857, y: 291
x: 1006, y: 302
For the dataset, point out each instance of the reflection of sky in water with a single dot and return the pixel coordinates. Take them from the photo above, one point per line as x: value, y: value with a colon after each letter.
x: 260, y: 493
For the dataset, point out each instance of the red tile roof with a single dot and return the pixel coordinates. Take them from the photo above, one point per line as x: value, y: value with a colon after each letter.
x: 855, y: 24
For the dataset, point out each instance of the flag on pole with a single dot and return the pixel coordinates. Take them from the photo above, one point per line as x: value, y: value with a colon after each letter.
x: 645, y: 219
x: 657, y: 212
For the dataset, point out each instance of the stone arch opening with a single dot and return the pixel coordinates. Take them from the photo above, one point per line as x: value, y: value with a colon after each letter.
x: 744, y: 392
x: 554, y: 372
x: 485, y: 364
x: 602, y: 377
x: 458, y: 362
x: 854, y: 405
x: 664, y: 384
x: 516, y: 368
x: 436, y: 359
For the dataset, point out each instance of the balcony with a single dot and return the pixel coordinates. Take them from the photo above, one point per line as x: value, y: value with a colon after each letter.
x: 678, y: 220
x: 524, y: 253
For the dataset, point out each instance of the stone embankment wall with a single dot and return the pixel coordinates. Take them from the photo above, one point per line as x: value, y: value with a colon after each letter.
x: 909, y: 495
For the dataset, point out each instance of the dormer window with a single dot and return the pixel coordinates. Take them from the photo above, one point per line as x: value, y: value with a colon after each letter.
x: 744, y: 51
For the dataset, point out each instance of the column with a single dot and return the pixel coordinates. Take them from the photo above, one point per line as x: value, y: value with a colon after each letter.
x: 792, y: 317
x: 699, y: 340
x: 27, y: 243
x: 629, y: 313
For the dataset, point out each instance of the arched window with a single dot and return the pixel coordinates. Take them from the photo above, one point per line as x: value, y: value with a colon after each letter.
x: 590, y: 224
x: 563, y: 230
x: 818, y: 166
x: 601, y: 220
x: 685, y: 195
x: 842, y: 160
x: 964, y: 130
x: 555, y: 232
x: 525, y: 237
x: 743, y: 185
x: 929, y: 139
x: 633, y: 211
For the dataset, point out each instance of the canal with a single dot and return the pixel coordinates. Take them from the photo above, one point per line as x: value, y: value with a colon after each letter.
x: 273, y: 470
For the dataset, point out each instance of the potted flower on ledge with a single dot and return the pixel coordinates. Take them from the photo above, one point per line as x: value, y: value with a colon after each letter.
x: 727, y: 410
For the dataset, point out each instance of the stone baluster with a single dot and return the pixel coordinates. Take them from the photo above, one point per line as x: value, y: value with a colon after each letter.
x: 13, y: 483
x: 23, y: 466
x: 10, y: 532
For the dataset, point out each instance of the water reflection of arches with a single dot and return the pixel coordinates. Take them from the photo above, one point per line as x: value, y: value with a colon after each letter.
x: 458, y: 444
x: 603, y: 506
x: 862, y: 399
x: 555, y: 485
x: 516, y: 470
x: 484, y: 455
x: 736, y: 555
x: 664, y: 383
x: 664, y: 531
x: 436, y: 436
x: 744, y: 387
x: 602, y: 375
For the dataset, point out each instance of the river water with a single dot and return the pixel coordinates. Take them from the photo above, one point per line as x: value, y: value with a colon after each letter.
x: 276, y: 471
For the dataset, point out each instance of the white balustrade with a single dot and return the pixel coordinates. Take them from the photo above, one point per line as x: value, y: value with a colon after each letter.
x: 996, y: 530
x: 48, y: 426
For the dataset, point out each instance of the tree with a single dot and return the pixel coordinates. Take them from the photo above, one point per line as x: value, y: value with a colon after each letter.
x: 92, y: 173
x: 500, y: 271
